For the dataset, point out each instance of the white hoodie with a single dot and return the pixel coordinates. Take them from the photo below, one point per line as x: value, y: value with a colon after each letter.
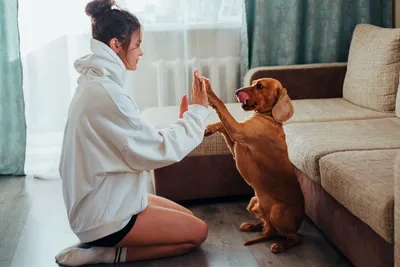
x: 108, y: 149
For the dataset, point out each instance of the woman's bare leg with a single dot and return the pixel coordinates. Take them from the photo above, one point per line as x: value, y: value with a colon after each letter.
x: 166, y: 203
x: 163, y: 232
x: 158, y: 232
x: 158, y: 226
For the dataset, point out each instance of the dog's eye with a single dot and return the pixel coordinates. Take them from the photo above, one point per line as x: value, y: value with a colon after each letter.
x: 259, y: 86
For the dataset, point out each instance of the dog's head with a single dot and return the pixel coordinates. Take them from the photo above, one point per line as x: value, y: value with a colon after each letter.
x: 266, y: 95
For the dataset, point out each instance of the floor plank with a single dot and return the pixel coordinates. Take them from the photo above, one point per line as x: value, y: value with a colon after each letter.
x: 313, y: 250
x: 15, y: 204
x: 34, y: 228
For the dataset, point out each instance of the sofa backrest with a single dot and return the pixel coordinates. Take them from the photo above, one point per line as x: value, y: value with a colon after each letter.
x: 373, y: 67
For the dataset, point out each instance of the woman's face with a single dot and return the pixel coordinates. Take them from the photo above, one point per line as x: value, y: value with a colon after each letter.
x: 130, y: 56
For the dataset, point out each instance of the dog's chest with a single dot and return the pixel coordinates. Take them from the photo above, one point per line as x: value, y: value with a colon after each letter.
x: 255, y: 163
x: 245, y: 162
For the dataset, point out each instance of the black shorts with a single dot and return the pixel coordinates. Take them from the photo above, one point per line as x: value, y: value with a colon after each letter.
x: 113, y: 239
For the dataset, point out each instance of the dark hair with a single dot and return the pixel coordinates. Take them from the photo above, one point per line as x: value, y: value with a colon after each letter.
x: 109, y: 23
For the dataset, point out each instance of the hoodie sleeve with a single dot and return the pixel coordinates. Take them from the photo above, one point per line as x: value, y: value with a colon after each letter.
x: 142, y: 146
x: 147, y: 148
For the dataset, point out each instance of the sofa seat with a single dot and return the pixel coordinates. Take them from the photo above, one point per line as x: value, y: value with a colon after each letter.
x: 307, y: 110
x: 362, y: 181
x: 309, y: 142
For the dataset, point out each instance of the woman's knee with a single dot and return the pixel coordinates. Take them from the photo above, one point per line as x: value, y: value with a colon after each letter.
x: 200, y: 233
x: 189, y: 212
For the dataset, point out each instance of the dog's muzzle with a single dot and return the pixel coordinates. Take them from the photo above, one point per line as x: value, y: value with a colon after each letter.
x: 243, y: 97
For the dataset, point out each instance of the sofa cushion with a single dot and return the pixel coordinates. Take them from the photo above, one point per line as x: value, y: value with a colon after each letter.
x: 331, y: 109
x: 308, y: 110
x: 362, y: 181
x: 373, y: 67
x: 309, y: 142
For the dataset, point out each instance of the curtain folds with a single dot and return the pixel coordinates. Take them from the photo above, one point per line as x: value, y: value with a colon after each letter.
x: 289, y: 32
x: 12, y: 108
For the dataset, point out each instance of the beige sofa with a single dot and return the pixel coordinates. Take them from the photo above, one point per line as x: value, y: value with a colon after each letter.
x: 343, y: 141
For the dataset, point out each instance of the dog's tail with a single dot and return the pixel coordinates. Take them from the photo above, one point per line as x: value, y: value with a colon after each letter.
x: 257, y: 239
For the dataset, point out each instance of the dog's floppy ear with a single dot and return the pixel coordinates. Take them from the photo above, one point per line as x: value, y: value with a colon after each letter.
x: 283, y: 109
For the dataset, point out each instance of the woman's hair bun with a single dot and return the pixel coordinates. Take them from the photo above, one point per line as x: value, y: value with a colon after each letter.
x: 98, y: 8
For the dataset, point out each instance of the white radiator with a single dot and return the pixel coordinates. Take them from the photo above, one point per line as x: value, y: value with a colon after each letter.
x: 174, y: 78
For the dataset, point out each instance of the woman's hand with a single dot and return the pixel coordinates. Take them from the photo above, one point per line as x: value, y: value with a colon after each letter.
x: 184, y: 106
x: 199, y: 94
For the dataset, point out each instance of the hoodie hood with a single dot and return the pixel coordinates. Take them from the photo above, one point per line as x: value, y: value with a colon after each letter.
x: 102, y: 62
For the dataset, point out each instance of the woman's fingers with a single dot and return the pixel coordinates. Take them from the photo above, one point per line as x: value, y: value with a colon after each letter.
x: 194, y: 82
x: 203, y: 86
x: 199, y: 94
x: 184, y: 106
x: 195, y: 79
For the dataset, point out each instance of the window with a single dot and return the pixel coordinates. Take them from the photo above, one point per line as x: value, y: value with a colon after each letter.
x: 172, y: 14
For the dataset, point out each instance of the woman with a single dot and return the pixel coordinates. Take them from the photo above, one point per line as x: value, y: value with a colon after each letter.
x: 109, y: 150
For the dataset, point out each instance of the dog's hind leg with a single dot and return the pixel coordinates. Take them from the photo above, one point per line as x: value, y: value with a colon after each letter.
x: 291, y: 241
x: 251, y: 227
x: 268, y: 231
x: 254, y: 208
x: 284, y: 221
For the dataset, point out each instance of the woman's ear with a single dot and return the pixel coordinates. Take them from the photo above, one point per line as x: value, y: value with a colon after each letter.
x: 115, y: 45
x: 283, y: 109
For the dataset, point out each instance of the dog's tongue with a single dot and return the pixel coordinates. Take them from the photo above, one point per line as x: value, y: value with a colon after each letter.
x: 242, y: 96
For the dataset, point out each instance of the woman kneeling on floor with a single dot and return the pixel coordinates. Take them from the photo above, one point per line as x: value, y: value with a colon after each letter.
x: 109, y: 150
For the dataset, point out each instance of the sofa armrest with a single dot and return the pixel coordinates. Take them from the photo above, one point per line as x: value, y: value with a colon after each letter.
x: 397, y: 212
x: 304, y: 81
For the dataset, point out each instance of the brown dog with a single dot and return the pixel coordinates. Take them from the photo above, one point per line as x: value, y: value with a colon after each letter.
x: 259, y: 148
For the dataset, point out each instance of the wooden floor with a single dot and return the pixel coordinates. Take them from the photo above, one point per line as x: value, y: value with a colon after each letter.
x: 34, y: 227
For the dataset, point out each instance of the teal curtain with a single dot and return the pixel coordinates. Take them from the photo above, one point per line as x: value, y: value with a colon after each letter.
x: 12, y: 110
x: 285, y: 32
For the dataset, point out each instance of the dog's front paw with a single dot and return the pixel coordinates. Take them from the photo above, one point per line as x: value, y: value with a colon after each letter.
x: 212, y: 102
x: 212, y: 128
x: 209, y: 130
x: 212, y: 97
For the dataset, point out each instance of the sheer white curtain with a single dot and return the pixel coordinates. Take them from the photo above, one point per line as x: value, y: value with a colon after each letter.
x: 177, y: 38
